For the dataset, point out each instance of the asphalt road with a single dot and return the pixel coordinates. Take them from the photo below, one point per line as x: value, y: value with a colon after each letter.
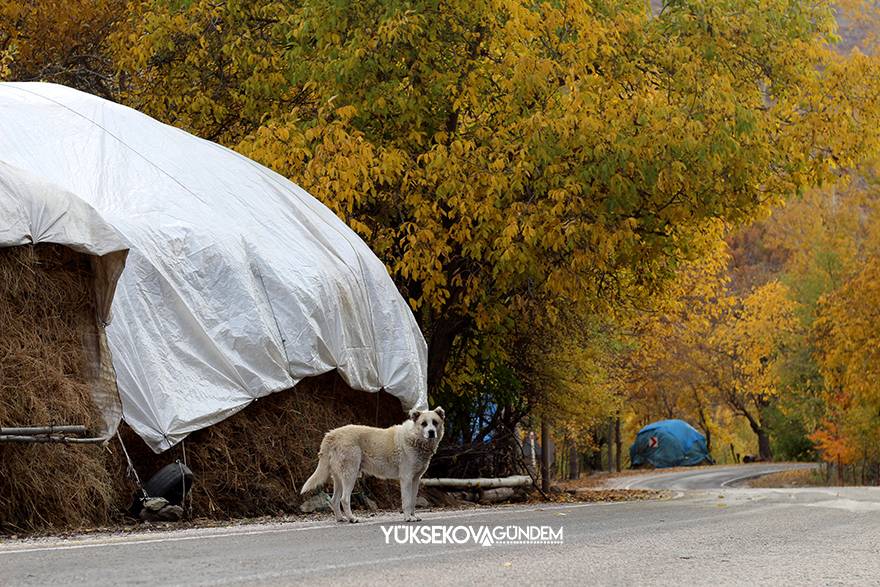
x: 714, y: 477
x: 722, y: 536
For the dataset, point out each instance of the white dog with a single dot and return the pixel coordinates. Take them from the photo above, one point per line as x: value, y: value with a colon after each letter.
x: 401, y: 452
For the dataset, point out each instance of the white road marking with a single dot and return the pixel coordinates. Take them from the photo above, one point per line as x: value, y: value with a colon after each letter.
x: 759, y: 474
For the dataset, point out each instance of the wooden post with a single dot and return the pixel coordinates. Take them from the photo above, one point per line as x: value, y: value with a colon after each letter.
x: 545, y: 456
x: 617, y: 442
x: 610, y: 442
x: 533, y: 456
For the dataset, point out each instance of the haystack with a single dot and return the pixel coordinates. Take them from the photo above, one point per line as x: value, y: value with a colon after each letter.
x: 248, y: 465
x: 48, y: 340
x: 228, y: 284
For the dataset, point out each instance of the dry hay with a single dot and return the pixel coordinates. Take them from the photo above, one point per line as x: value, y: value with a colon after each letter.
x: 47, y: 307
x: 255, y: 462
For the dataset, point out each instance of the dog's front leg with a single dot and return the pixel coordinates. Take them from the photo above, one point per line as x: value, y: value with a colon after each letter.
x: 414, y: 493
x: 406, y: 498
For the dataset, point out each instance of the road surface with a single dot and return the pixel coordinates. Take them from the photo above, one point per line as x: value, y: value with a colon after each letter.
x: 714, y: 477
x: 722, y: 536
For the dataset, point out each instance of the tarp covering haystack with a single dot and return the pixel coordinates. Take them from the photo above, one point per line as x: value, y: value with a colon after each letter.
x: 151, y: 276
x: 669, y: 443
x: 238, y: 283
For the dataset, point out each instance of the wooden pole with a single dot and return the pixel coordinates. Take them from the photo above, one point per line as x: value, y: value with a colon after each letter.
x: 495, y: 482
x: 31, y: 430
x: 617, y: 441
x: 48, y: 439
x: 545, y: 456
x: 610, y: 442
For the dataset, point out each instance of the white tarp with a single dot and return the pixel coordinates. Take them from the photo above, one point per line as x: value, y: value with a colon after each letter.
x: 238, y: 283
x: 33, y: 211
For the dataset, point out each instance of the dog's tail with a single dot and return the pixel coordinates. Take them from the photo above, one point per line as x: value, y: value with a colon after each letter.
x: 319, y: 477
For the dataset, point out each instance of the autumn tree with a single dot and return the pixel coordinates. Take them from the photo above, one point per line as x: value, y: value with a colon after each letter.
x: 750, y: 349
x: 59, y: 41
x: 821, y: 245
x: 666, y: 365
x: 216, y: 69
x: 503, y: 156
x: 514, y: 162
x: 710, y: 352
x: 846, y: 337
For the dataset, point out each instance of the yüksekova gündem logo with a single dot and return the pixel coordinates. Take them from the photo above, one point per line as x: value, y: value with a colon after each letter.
x: 484, y: 535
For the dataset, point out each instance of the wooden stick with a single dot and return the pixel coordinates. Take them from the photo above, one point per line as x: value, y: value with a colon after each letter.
x: 31, y: 430
x: 44, y: 439
x: 514, y: 481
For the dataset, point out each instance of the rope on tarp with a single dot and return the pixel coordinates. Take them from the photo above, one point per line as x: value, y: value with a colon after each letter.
x: 131, y: 471
x: 183, y: 495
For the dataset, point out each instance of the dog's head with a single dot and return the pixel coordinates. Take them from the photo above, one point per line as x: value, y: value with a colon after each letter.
x: 429, y: 424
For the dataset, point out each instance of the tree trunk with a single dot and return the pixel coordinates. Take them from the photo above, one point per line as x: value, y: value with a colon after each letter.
x: 610, y: 442
x: 764, y: 450
x: 704, y: 424
x: 442, y: 336
x: 533, y: 453
x: 573, y: 472
x: 617, y: 442
x: 545, y: 456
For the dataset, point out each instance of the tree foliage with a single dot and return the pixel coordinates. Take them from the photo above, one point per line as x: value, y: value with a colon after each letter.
x: 537, y: 175
x: 713, y: 353
x: 506, y: 158
x: 59, y: 41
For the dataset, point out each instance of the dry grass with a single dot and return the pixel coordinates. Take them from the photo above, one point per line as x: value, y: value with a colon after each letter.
x: 254, y: 463
x: 47, y: 309
x: 589, y: 494
x: 793, y: 478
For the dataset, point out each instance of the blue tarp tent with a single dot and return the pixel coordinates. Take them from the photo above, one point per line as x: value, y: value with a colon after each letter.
x: 669, y: 443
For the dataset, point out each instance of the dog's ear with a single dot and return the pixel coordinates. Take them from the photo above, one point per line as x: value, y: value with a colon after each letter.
x: 439, y: 411
x: 414, y: 415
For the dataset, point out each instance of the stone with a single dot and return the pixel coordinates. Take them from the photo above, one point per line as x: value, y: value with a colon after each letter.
x: 316, y: 503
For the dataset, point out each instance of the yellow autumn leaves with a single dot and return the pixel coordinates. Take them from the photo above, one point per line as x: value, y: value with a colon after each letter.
x: 522, y: 168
